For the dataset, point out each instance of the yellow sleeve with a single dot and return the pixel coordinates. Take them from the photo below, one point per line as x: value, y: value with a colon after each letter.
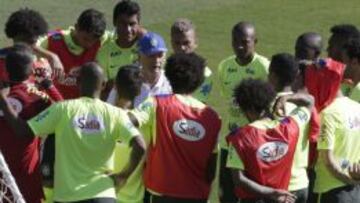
x: 221, y: 77
x: 124, y: 129
x: 102, y: 59
x: 144, y: 112
x: 43, y: 42
x: 301, y: 115
x: 47, y: 121
x: 204, y: 91
x: 327, y: 132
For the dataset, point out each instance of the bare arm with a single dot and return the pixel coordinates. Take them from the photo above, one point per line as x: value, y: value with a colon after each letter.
x: 55, y: 62
x: 354, y: 171
x: 300, y: 99
x: 138, y: 150
x: 20, y: 126
x: 259, y: 190
x: 334, y: 168
x: 133, y: 119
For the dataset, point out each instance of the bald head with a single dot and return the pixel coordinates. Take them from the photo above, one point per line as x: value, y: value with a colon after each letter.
x: 308, y: 46
x: 91, y: 79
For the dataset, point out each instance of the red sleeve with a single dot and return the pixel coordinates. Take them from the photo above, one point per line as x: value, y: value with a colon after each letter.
x: 314, y: 130
x: 54, y: 93
x: 3, y: 74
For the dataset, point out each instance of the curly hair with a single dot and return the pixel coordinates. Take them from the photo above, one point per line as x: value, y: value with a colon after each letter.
x: 285, y: 68
x: 128, y: 81
x: 92, y: 21
x: 27, y: 23
x: 185, y: 72
x: 126, y: 7
x: 254, y: 95
x: 18, y: 62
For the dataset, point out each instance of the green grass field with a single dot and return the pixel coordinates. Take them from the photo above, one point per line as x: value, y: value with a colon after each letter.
x: 278, y: 22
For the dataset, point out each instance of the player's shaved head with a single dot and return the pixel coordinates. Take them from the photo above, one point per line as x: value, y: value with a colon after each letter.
x: 91, y: 79
x: 243, y: 28
x: 308, y: 46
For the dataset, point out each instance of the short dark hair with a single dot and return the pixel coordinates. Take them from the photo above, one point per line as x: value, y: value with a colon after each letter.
x: 352, y: 48
x: 345, y: 31
x: 128, y: 81
x: 182, y: 25
x: 19, y: 62
x: 93, y: 22
x: 91, y: 77
x: 254, y: 95
x: 26, y: 22
x: 185, y: 72
x: 285, y: 67
x: 240, y: 27
x: 126, y: 7
x: 303, y: 40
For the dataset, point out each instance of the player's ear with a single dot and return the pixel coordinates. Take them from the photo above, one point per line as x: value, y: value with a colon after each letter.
x: 256, y: 40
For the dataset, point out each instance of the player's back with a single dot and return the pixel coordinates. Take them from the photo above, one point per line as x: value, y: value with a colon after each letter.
x: 88, y: 127
x: 186, y: 136
x: 340, y: 133
x: 85, y: 135
x: 266, y: 149
x: 22, y: 154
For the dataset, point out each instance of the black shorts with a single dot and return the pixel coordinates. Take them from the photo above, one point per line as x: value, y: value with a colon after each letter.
x: 48, y: 161
x: 301, y: 195
x: 257, y: 201
x: 312, y: 197
x: 166, y: 199
x: 227, y: 194
x: 346, y: 194
x: 95, y: 200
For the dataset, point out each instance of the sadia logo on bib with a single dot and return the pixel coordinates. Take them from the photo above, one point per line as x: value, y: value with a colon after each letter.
x: 89, y: 123
x: 272, y: 151
x: 189, y: 130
